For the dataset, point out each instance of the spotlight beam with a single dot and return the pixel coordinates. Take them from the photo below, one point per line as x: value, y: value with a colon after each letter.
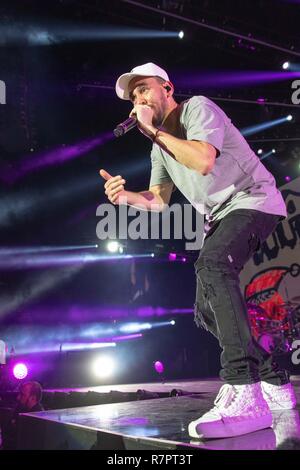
x: 42, y: 339
x: 261, y: 127
x: 86, y: 346
x: 41, y: 261
x: 266, y: 155
x: 291, y: 66
x: 229, y: 79
x: 57, y: 33
x: 28, y: 204
x: 56, y: 156
x: 35, y: 287
x: 22, y: 250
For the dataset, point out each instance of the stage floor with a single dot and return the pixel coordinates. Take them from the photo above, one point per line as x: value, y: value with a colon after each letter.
x: 160, y: 423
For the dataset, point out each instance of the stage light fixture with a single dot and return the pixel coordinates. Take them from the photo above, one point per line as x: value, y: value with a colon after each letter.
x: 113, y: 247
x: 273, y: 150
x: 289, y: 117
x: 181, y: 34
x: 159, y: 367
x: 285, y: 65
x: 103, y: 367
x: 20, y: 371
x: 259, y: 151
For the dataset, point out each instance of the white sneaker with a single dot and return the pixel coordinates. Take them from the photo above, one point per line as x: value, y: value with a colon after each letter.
x: 286, y: 426
x: 239, y: 409
x: 265, y: 439
x: 279, y: 397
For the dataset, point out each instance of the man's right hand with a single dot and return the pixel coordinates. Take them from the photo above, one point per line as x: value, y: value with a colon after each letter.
x: 114, y: 186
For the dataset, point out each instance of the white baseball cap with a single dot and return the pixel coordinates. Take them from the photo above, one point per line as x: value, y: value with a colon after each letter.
x: 145, y: 70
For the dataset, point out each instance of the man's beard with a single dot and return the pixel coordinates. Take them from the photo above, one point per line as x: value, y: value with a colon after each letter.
x: 159, y: 115
x: 158, y: 118
x: 157, y: 122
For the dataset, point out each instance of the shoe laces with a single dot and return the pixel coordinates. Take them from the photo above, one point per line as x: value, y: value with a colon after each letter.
x: 226, y: 395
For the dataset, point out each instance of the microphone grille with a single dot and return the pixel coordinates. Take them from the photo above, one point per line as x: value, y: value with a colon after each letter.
x: 118, y: 131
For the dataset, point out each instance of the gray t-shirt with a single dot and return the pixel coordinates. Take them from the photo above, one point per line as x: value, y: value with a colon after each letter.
x: 238, y: 179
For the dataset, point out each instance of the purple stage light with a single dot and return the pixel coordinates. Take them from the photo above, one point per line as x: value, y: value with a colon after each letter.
x: 159, y: 367
x: 56, y: 156
x: 47, y: 260
x: 287, y: 179
x: 85, y: 346
x: 172, y: 256
x: 194, y: 79
x: 20, y: 371
x: 126, y: 337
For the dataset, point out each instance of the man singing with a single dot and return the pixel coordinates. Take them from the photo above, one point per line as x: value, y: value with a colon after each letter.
x: 197, y: 149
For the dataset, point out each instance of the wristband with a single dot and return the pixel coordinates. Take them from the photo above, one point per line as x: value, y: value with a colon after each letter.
x: 155, y: 135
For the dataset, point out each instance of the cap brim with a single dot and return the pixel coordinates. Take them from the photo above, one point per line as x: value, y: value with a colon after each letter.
x: 122, y: 85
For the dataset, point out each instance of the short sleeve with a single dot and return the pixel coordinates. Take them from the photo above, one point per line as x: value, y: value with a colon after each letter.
x: 205, y: 122
x: 159, y: 173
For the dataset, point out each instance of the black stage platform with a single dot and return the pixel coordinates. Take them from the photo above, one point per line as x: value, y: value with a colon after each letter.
x: 155, y: 424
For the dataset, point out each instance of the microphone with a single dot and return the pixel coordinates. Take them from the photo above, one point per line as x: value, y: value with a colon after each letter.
x: 125, y: 126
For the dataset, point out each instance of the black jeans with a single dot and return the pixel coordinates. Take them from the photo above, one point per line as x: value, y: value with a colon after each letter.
x: 220, y: 307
